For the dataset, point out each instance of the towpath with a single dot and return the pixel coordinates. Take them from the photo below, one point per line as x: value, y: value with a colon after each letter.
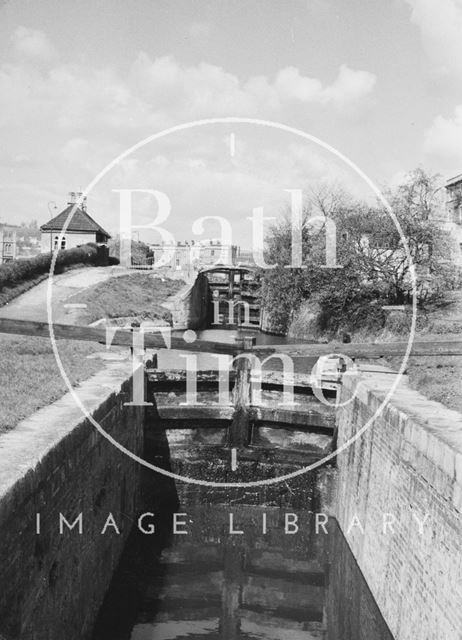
x: 32, y: 305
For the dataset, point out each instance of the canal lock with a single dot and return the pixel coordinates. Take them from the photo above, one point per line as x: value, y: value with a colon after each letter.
x: 263, y: 560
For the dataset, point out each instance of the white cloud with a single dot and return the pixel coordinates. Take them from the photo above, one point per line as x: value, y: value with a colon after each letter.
x: 350, y: 87
x: 188, y: 92
x: 157, y: 92
x: 291, y: 85
x: 201, y: 180
x: 207, y: 87
x: 440, y: 23
x: 443, y: 141
x: 72, y: 119
x: 33, y: 44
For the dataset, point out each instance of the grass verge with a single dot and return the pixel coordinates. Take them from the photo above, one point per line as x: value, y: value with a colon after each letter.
x: 29, y: 374
x: 438, y: 378
x: 139, y: 295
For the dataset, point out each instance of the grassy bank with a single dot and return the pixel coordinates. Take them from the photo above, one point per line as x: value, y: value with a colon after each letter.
x: 139, y: 295
x: 29, y: 374
x: 438, y: 378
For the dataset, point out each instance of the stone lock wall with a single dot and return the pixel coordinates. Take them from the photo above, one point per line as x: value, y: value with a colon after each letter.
x: 190, y: 306
x: 406, y: 465
x: 51, y: 585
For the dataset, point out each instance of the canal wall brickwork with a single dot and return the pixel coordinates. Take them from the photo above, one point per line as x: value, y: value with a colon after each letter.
x: 407, y: 466
x: 351, y: 610
x: 190, y: 306
x: 56, y: 462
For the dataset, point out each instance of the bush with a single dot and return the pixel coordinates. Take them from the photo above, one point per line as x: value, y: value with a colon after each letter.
x: 376, y: 270
x: 140, y: 251
x: 347, y: 303
x: 18, y: 271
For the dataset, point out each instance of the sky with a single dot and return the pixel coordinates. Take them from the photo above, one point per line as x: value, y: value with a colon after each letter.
x: 81, y: 82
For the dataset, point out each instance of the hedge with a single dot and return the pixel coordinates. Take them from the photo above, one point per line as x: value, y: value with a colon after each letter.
x: 18, y: 271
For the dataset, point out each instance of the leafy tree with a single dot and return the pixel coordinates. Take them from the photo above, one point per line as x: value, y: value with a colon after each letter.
x: 416, y: 205
x: 373, y: 240
x: 376, y: 269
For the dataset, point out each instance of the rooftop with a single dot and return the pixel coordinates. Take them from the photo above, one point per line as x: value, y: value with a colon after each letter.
x: 79, y: 222
x: 453, y: 181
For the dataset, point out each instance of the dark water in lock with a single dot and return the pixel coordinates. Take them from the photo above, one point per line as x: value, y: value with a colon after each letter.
x: 170, y: 359
x: 229, y: 335
x: 211, y: 583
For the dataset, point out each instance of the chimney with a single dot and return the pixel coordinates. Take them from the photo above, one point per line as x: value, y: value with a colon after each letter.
x: 77, y: 197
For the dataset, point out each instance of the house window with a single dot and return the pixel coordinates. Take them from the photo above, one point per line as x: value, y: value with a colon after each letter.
x: 57, y: 243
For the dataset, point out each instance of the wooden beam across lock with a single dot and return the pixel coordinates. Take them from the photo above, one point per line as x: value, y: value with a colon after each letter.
x: 124, y: 337
x: 119, y: 337
x: 368, y: 350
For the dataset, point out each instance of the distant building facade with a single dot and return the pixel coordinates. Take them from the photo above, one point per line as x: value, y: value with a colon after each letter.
x: 184, y: 256
x: 8, y: 242
x: 82, y: 228
x: 453, y: 221
x: 246, y: 258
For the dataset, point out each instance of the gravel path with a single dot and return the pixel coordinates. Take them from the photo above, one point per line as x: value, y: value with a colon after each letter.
x: 32, y: 305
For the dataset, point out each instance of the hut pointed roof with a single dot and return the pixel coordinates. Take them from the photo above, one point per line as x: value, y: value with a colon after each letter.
x: 80, y: 222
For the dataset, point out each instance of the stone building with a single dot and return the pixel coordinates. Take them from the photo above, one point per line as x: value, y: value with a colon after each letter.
x: 8, y: 242
x: 453, y: 217
x: 184, y: 256
x: 80, y: 230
